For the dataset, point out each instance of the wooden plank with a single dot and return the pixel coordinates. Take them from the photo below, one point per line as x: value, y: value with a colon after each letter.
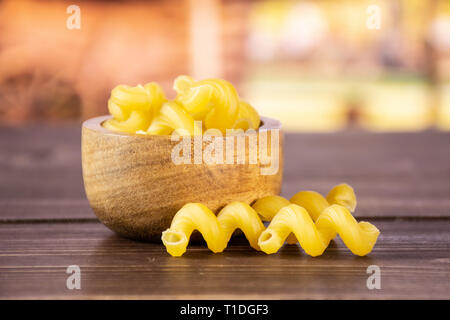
x: 413, y: 255
x: 404, y: 174
x: 40, y: 174
x: 394, y: 174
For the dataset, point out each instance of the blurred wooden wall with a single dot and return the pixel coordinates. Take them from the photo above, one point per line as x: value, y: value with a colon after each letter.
x: 48, y: 72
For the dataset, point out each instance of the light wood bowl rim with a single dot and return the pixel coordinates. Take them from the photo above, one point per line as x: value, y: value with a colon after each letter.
x: 95, y: 124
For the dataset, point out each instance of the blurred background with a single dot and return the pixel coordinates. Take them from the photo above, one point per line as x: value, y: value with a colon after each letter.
x: 323, y: 65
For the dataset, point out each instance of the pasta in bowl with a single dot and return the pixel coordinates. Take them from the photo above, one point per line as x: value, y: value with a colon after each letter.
x: 147, y: 159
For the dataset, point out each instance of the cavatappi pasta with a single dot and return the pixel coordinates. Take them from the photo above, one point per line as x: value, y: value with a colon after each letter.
x: 213, y: 102
x: 315, y: 237
x: 313, y: 220
x: 133, y: 108
x: 216, y: 231
x: 309, y: 219
x: 312, y: 201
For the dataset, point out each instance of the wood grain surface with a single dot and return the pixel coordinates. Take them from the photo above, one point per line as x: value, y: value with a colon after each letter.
x: 402, y: 183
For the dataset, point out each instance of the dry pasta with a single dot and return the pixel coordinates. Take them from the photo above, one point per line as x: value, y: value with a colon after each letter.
x: 216, y: 231
x: 315, y: 237
x: 133, y: 108
x: 248, y: 118
x: 173, y: 117
x: 216, y: 102
x: 145, y: 109
x: 313, y: 220
x: 313, y: 202
x: 213, y: 100
x: 289, y: 221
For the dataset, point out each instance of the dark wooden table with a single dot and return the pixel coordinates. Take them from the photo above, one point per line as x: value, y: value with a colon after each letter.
x: 402, y: 183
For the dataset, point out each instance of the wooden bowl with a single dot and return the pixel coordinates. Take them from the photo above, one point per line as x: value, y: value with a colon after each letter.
x: 135, y: 188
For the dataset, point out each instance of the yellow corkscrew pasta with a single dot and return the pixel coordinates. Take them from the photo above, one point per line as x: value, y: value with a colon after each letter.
x: 247, y: 118
x: 216, y: 102
x: 297, y: 223
x: 133, y: 108
x: 343, y: 195
x: 315, y: 237
x: 145, y: 109
x: 313, y: 202
x: 173, y: 117
x: 135, y: 122
x: 290, y: 221
x: 215, y: 230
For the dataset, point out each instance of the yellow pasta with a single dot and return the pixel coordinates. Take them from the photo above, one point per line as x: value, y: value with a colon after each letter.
x: 313, y: 220
x: 145, y: 109
x: 312, y: 201
x: 315, y: 203
x: 216, y: 102
x: 173, y: 117
x: 289, y: 221
x: 133, y: 108
x: 343, y: 195
x: 247, y: 118
x: 216, y: 231
x: 315, y: 237
x: 267, y: 207
x: 136, y: 121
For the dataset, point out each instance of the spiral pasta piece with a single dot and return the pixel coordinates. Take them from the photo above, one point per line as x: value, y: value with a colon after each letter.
x: 173, y: 117
x: 267, y: 207
x: 195, y: 98
x: 313, y: 202
x: 145, y: 109
x: 216, y: 231
x: 315, y: 237
x: 135, y: 122
x: 216, y: 102
x: 343, y: 195
x: 247, y: 118
x: 133, y: 108
x: 289, y: 221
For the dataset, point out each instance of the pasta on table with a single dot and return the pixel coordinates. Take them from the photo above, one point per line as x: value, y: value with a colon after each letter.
x: 308, y: 219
